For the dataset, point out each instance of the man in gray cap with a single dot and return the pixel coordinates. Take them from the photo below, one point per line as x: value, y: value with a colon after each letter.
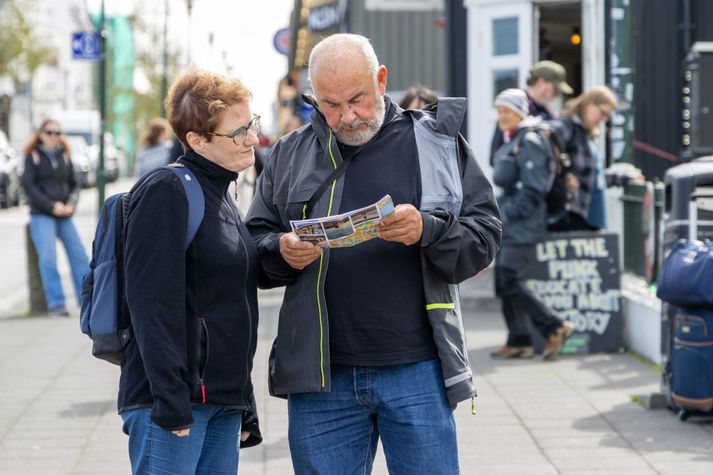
x: 545, y: 81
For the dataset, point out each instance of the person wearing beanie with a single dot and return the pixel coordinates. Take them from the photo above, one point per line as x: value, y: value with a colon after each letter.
x: 524, y: 169
x: 545, y: 81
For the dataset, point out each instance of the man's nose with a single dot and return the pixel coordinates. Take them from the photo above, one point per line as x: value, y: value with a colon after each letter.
x: 348, y: 116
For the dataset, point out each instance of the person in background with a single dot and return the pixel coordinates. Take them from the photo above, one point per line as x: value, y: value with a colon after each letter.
x: 52, y: 193
x: 370, y: 343
x: 545, y: 81
x: 524, y: 169
x: 185, y: 392
x: 156, y: 148
x: 416, y: 97
x: 584, y: 185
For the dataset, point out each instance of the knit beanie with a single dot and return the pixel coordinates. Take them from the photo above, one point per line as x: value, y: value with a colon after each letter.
x: 516, y: 100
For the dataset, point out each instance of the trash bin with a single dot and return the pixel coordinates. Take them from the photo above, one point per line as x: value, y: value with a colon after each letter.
x: 635, y: 203
x: 680, y: 183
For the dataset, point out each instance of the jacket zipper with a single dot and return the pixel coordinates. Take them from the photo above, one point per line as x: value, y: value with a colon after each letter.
x: 204, y: 360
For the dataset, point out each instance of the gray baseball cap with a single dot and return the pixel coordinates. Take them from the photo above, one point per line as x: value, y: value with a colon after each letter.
x: 552, y: 72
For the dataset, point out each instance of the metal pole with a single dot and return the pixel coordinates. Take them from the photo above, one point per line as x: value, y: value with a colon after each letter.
x: 189, y: 4
x: 164, y: 79
x: 622, y: 70
x: 102, y: 107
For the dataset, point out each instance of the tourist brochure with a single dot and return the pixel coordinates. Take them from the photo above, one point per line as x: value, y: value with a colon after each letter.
x: 344, y: 230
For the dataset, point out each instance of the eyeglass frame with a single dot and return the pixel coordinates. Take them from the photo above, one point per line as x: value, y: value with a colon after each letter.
x: 51, y: 133
x: 607, y: 115
x: 244, y: 129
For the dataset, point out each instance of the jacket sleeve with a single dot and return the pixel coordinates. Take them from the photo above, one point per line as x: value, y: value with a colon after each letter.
x: 265, y: 226
x: 36, y: 197
x: 155, y: 281
x: 458, y: 247
x: 535, y: 176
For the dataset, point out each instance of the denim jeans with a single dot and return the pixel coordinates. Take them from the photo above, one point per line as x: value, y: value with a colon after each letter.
x: 211, y: 448
x: 45, y: 230
x: 406, y: 406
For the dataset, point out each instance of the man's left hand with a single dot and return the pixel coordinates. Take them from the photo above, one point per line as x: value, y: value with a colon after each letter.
x: 405, y: 225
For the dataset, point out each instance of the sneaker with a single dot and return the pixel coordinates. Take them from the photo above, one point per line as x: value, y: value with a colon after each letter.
x: 555, y: 341
x: 510, y: 352
x: 59, y: 311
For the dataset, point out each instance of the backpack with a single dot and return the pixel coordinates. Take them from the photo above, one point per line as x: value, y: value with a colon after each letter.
x: 104, y: 316
x: 556, y: 197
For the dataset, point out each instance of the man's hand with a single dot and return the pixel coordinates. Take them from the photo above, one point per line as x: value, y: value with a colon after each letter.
x: 244, y: 435
x: 572, y: 182
x: 298, y: 254
x: 405, y: 225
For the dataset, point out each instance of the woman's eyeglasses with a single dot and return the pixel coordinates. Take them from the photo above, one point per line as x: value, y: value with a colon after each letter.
x: 240, y: 134
x: 52, y: 132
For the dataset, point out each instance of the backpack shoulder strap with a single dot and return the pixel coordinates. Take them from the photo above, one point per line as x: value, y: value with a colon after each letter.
x: 196, y: 200
x: 35, y: 157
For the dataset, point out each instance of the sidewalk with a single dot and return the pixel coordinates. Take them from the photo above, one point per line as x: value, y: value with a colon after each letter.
x: 573, y: 415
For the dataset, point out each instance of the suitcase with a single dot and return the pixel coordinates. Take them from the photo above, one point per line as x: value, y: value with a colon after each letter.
x: 688, y: 343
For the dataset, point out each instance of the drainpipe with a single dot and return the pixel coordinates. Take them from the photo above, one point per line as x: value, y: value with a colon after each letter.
x: 621, y: 73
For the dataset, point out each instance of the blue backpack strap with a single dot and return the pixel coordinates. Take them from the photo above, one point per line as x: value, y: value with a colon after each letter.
x: 196, y: 201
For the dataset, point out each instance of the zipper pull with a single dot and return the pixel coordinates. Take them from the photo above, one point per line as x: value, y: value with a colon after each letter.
x: 235, y: 189
x: 203, y: 391
x: 472, y: 405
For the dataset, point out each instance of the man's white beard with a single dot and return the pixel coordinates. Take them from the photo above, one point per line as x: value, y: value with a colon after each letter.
x: 355, y: 137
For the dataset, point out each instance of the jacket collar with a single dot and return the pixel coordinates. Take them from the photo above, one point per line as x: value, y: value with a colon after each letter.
x: 205, y: 167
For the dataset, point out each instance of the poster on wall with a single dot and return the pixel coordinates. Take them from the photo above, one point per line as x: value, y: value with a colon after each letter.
x: 577, y: 275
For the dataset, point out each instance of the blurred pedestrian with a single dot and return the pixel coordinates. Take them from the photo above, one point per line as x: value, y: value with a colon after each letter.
x: 156, y: 148
x: 417, y: 97
x: 185, y: 393
x: 52, y: 193
x: 584, y: 183
x: 545, y: 81
x: 380, y: 353
x: 524, y: 168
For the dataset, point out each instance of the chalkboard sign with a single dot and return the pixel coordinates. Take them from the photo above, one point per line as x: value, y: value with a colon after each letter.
x: 577, y: 275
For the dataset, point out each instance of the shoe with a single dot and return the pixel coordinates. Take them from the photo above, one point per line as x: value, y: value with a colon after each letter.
x: 555, y: 341
x: 59, y: 311
x: 511, y: 352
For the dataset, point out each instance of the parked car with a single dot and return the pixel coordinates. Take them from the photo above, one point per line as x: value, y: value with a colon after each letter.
x: 10, y: 190
x: 84, y: 169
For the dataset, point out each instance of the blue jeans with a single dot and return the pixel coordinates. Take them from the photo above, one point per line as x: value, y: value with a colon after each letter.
x: 45, y: 230
x: 210, y: 448
x: 405, y: 405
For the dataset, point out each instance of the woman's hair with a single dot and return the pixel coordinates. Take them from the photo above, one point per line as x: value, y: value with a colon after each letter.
x: 598, y: 96
x: 197, y: 99
x: 417, y: 92
x: 35, y: 139
x: 157, y: 129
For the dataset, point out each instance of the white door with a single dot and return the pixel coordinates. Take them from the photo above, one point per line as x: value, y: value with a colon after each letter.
x: 500, y: 53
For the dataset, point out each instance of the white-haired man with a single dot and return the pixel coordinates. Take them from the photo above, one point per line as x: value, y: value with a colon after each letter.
x: 370, y: 341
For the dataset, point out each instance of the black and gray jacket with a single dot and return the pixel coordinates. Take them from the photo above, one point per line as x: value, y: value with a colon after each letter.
x: 525, y: 169
x: 461, y: 236
x: 49, y: 179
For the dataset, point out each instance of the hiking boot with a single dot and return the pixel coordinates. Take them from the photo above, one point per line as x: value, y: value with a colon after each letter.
x: 556, y: 340
x: 59, y: 311
x: 510, y: 352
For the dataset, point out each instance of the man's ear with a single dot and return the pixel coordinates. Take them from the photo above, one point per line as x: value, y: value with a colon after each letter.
x: 195, y: 141
x: 381, y: 79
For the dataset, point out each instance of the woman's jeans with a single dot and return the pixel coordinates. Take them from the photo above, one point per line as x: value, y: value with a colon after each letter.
x: 211, y: 448
x: 45, y: 230
x: 337, y: 432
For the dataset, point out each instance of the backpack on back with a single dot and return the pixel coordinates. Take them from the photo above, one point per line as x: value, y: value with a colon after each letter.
x: 104, y: 315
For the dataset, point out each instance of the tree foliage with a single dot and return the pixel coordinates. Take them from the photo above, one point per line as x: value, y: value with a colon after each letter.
x: 22, y: 51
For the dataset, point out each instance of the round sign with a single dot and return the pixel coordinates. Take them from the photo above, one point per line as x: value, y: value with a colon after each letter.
x: 281, y: 41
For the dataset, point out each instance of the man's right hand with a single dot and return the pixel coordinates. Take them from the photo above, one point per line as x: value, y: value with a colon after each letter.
x: 298, y: 254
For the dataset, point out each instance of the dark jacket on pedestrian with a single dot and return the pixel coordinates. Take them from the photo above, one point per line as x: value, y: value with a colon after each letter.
x: 48, y: 177
x: 524, y: 169
x: 461, y: 236
x: 194, y: 314
x: 534, y: 110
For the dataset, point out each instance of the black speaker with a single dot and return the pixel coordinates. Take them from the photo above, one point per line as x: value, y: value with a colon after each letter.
x: 697, y: 115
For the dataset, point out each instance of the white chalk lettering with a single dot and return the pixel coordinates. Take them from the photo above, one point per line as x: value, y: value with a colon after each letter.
x: 594, y: 247
x: 572, y: 269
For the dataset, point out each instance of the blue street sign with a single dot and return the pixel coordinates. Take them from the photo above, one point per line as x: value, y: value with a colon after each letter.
x: 85, y: 45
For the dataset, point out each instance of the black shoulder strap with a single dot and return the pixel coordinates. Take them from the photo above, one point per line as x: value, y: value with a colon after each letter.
x: 336, y: 173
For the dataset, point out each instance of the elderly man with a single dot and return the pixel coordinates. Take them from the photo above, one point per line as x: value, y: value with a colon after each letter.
x: 545, y: 81
x: 370, y: 340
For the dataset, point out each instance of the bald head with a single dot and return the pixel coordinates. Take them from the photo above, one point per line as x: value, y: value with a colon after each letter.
x: 341, y: 53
